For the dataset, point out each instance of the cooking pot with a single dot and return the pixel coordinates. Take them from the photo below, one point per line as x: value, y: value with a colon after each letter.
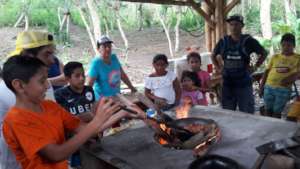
x: 214, y: 162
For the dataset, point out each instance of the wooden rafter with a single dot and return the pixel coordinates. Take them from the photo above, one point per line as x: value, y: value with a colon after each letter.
x: 230, y: 5
x: 197, y: 7
x: 210, y: 5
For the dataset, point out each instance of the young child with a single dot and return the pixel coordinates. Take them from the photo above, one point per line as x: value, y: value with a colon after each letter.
x: 162, y: 86
x: 190, y: 88
x: 194, y: 61
x: 35, y: 128
x: 76, y: 98
x: 281, y: 73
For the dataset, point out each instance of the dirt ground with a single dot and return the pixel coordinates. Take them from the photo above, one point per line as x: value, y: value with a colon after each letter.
x: 143, y: 45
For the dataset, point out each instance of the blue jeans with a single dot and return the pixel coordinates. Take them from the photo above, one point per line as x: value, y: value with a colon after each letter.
x: 242, y: 97
x: 275, y: 99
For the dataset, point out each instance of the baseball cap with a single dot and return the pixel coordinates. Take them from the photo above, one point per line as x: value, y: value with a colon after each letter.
x: 104, y: 39
x: 32, y: 39
x: 236, y: 17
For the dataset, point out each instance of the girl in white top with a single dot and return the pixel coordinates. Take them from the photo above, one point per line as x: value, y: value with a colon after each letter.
x: 162, y: 86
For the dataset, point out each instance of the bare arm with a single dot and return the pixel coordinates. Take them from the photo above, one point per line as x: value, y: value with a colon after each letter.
x: 58, y: 152
x: 58, y: 80
x: 263, y: 82
x: 150, y: 95
x: 126, y: 80
x: 176, y: 86
x: 290, y: 79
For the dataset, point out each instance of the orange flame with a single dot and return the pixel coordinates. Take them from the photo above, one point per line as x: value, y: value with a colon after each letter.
x: 162, y: 141
x: 183, y: 110
x: 165, y: 128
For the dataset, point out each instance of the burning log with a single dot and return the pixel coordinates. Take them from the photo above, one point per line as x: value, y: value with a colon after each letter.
x: 205, y: 132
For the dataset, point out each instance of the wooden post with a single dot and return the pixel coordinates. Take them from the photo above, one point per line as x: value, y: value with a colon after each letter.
x: 208, y: 33
x: 218, y: 15
x: 224, y: 20
x: 213, y: 18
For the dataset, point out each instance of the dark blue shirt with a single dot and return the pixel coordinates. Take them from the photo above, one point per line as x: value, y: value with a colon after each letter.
x: 74, y: 102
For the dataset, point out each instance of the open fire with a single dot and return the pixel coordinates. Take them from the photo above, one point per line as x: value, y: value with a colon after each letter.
x: 205, y: 132
x: 183, y: 110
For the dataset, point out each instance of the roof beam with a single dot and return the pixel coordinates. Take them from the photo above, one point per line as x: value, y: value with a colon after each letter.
x: 230, y: 5
x: 210, y: 5
x: 197, y: 7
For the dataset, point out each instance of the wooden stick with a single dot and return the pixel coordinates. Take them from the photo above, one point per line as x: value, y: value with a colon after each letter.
x: 210, y: 5
x: 230, y: 5
x: 198, y: 8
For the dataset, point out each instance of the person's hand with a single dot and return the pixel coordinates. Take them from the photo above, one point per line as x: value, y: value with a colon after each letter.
x: 261, y: 91
x: 104, y: 110
x: 140, y: 112
x: 161, y: 102
x: 289, y: 80
x: 133, y: 90
x: 86, y: 117
x: 252, y: 69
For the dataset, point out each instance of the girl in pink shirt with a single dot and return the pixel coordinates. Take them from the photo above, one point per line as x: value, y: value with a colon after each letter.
x: 194, y: 61
x: 190, y: 89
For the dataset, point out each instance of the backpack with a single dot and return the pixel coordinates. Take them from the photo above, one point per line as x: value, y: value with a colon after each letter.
x: 226, y: 42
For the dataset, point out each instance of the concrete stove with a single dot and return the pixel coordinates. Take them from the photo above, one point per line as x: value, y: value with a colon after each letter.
x: 241, y: 133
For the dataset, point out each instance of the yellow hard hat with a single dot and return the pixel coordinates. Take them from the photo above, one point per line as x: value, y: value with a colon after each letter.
x: 32, y: 39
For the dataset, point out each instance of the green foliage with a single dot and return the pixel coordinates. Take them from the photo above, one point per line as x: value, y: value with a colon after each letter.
x: 280, y: 28
x: 252, y: 19
x: 44, y: 15
x: 190, y: 20
x: 76, y: 18
x: 9, y: 13
x: 277, y: 10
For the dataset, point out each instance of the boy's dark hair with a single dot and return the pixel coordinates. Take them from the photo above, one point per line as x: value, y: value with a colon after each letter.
x: 20, y: 67
x: 288, y: 37
x: 160, y: 57
x: 193, y: 55
x: 193, y: 76
x: 70, y: 67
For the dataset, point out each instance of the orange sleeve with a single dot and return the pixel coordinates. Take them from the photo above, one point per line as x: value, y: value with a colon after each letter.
x: 70, y: 121
x: 26, y: 136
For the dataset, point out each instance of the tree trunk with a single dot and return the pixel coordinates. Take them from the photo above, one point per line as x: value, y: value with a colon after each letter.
x: 68, y: 26
x: 122, y: 31
x: 87, y: 27
x: 61, y: 26
x: 140, y: 16
x: 244, y: 8
x: 166, y: 29
x: 58, y: 16
x: 265, y: 18
x: 290, y: 10
x: 178, y: 17
x: 118, y: 19
x: 95, y: 18
x: 106, y: 27
x: 26, y: 22
x: 19, y: 20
